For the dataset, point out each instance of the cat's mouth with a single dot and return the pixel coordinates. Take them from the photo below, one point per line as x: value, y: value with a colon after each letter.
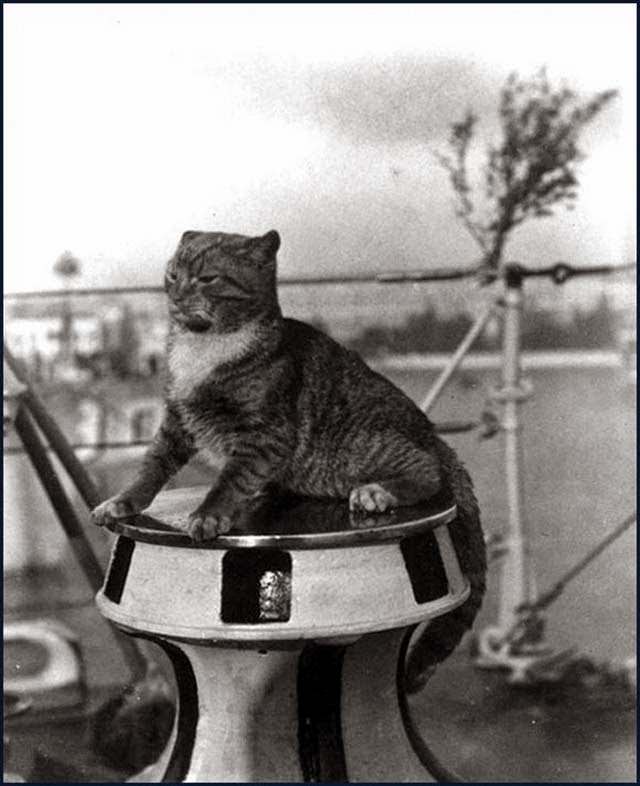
x: 193, y: 323
x: 197, y: 324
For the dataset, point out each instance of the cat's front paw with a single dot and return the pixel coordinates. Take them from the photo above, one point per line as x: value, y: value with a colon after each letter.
x: 371, y: 498
x: 205, y: 525
x: 114, y: 508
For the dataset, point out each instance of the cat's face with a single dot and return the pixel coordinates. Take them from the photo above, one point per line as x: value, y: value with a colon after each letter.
x: 218, y: 282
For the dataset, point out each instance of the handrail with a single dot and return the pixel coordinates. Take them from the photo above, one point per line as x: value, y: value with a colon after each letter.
x: 390, y: 277
x: 559, y: 272
x: 442, y: 427
x: 51, y: 430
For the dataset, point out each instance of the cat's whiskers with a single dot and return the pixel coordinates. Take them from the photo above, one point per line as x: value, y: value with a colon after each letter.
x: 194, y: 357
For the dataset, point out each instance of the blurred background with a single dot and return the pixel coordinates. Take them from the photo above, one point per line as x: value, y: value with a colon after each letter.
x: 126, y: 125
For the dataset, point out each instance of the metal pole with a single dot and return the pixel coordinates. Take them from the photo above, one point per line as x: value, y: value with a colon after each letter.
x: 45, y: 470
x: 516, y: 581
x: 465, y: 345
x: 54, y: 435
x: 72, y: 526
x: 554, y: 592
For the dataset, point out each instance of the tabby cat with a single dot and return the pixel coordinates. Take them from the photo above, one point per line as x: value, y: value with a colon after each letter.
x: 272, y: 401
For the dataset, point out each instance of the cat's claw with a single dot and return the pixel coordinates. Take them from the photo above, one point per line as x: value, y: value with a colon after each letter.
x: 205, y: 526
x: 113, y: 508
x: 371, y: 498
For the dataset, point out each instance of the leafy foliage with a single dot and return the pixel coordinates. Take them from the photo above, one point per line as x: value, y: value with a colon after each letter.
x: 530, y: 170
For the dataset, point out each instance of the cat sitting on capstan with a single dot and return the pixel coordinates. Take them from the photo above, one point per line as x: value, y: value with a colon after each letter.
x: 272, y: 401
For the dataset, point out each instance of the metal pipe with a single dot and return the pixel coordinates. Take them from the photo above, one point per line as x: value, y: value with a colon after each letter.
x: 26, y: 430
x: 119, y: 445
x: 465, y: 345
x: 516, y: 582
x: 444, y: 427
x: 86, y: 487
x: 28, y: 433
x: 554, y: 592
x: 388, y: 277
x: 559, y: 272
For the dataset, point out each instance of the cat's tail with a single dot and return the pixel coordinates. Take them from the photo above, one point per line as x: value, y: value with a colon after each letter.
x: 443, y: 634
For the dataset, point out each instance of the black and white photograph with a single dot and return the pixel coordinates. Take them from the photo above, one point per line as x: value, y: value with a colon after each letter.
x: 319, y: 392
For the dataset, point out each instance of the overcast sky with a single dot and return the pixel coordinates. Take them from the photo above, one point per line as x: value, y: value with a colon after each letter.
x: 127, y: 124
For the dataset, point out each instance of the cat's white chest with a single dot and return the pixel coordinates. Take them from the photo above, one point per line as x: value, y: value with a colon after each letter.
x: 194, y: 357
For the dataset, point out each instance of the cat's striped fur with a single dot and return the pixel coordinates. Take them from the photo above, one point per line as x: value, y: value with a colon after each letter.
x: 268, y: 400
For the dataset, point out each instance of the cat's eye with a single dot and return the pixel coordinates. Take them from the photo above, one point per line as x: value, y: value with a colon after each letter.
x: 207, y: 279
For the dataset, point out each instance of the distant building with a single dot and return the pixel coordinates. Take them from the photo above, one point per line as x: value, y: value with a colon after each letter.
x: 40, y: 342
x: 87, y: 334
x: 152, y: 331
x: 29, y: 335
x: 132, y: 416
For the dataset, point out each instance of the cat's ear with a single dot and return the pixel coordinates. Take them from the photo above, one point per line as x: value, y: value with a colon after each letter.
x: 188, y: 236
x: 267, y: 245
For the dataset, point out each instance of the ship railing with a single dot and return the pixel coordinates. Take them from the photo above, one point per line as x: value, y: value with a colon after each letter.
x: 517, y: 586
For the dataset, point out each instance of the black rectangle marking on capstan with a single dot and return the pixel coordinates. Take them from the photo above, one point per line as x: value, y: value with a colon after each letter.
x: 256, y: 586
x: 321, y: 748
x: 424, y: 565
x: 119, y: 568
